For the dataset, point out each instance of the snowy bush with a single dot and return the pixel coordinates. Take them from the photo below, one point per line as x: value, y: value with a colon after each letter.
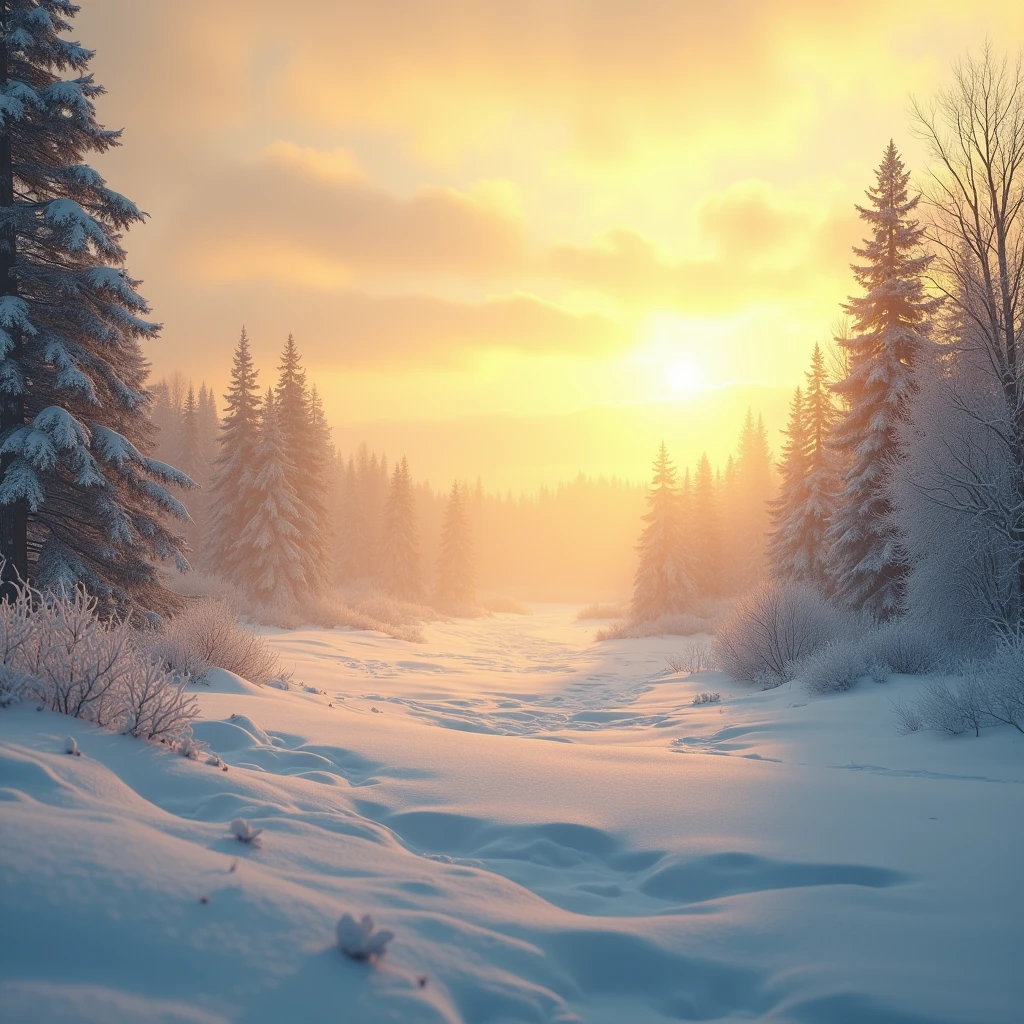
x: 694, y: 659
x: 704, y: 617
x: 58, y: 651
x: 206, y: 634
x: 361, y: 940
x: 773, y: 629
x: 707, y: 698
x: 903, y: 647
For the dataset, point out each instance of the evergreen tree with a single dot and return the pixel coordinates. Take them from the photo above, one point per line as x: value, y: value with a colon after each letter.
x: 267, y: 551
x: 456, y: 584
x: 233, y: 497
x: 866, y: 563
x: 190, y: 456
x: 82, y: 502
x: 662, y: 584
x: 209, y: 430
x: 303, y: 451
x: 822, y: 479
x: 399, y: 567
x: 787, y: 543
x: 707, y: 532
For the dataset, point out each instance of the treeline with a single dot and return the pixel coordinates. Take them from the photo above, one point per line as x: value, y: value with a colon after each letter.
x: 705, y: 533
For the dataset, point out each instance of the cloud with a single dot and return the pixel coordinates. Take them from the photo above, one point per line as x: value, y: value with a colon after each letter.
x: 300, y: 214
x: 752, y: 243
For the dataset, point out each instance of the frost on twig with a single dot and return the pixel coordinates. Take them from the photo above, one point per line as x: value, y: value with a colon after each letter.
x: 360, y: 939
x: 245, y: 833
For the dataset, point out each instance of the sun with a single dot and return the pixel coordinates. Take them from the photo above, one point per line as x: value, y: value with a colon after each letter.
x: 684, y: 378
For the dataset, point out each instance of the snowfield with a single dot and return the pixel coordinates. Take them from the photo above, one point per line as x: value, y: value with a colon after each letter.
x: 551, y: 828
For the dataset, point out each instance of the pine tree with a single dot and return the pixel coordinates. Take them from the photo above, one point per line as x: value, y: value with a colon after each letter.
x: 707, y: 532
x: 189, y: 458
x: 662, y: 584
x: 787, y: 542
x: 822, y: 479
x: 399, y: 564
x: 209, y: 430
x: 303, y: 450
x: 456, y: 583
x: 267, y: 551
x: 233, y: 496
x: 866, y: 564
x: 82, y: 502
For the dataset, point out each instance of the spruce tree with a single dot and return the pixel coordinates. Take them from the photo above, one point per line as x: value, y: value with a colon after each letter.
x: 456, y: 583
x: 209, y: 430
x: 788, y: 551
x: 82, y: 502
x: 753, y: 491
x: 307, y: 472
x: 889, y: 320
x: 267, y: 552
x: 189, y: 458
x: 399, y: 564
x: 233, y: 496
x: 662, y: 584
x: 822, y: 479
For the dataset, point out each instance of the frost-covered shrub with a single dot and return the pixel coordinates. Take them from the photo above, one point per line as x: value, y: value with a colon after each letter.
x: 599, y: 610
x: 954, y: 708
x: 836, y: 666
x: 206, y: 634
x: 694, y: 659
x: 58, y: 651
x: 710, y: 697
x: 903, y: 647
x: 773, y: 630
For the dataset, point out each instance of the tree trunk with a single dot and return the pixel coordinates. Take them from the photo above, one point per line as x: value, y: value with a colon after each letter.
x: 13, y: 518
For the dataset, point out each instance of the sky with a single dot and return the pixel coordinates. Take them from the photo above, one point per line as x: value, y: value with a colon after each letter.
x: 516, y: 239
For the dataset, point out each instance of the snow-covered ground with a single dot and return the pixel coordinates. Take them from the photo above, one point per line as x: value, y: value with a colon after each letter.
x: 551, y: 828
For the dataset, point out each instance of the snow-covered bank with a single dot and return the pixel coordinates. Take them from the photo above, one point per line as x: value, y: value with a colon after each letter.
x: 551, y: 828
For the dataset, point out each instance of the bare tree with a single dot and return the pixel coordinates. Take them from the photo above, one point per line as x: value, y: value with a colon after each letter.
x: 975, y: 132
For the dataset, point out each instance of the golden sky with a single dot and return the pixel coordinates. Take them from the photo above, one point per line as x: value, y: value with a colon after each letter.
x: 474, y: 208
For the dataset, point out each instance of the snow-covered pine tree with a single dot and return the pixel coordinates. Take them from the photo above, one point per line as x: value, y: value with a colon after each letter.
x: 706, y: 538
x: 267, y: 551
x: 189, y: 458
x: 822, y: 479
x: 82, y: 502
x: 788, y: 552
x: 456, y: 580
x: 890, y: 319
x: 321, y: 463
x: 209, y: 431
x: 399, y: 560
x: 307, y: 470
x: 233, y: 496
x: 662, y: 584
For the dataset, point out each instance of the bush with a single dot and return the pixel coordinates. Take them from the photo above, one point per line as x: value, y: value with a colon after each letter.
x: 206, y: 634
x: 496, y: 604
x: 904, y: 647
x: 55, y: 649
x: 712, y: 697
x: 695, y: 658
x: 773, y: 629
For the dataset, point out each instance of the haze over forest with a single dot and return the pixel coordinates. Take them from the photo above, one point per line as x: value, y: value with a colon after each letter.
x: 644, y: 217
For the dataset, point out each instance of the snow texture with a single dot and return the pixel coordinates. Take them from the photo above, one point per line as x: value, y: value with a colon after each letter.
x: 552, y: 829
